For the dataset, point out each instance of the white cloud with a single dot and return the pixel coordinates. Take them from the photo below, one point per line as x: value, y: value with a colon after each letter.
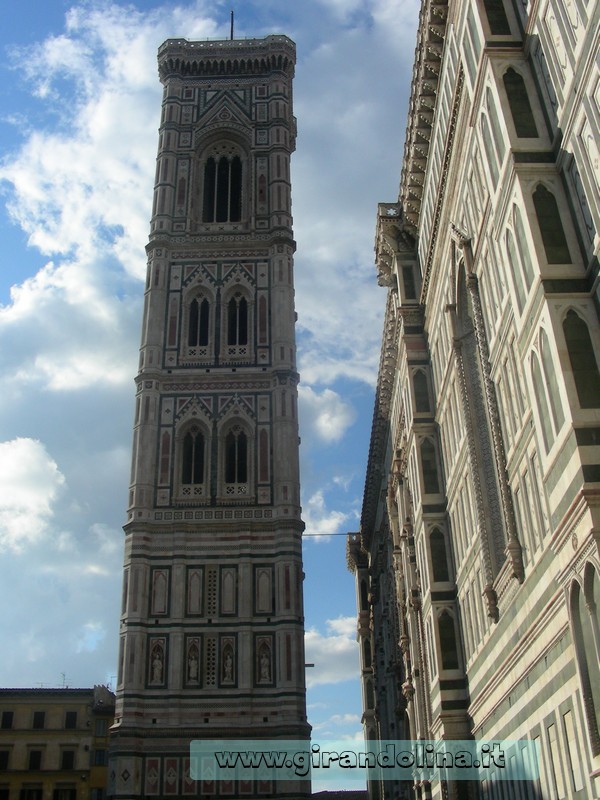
x: 325, y: 413
x: 30, y: 482
x: 90, y: 636
x: 319, y: 520
x: 335, y: 654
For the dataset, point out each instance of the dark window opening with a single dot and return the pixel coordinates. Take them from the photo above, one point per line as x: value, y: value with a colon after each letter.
x: 408, y: 277
x: 448, y: 641
x: 497, y: 18
x: 198, y: 325
x: 7, y: 720
x: 551, y: 228
x: 236, y: 457
x: 237, y: 321
x: 192, y: 470
x: 421, y: 392
x: 70, y: 720
x: 4, y: 759
x: 429, y: 464
x: 39, y: 719
x: 35, y: 760
x: 222, y: 190
x: 67, y: 760
x: 439, y: 557
x: 583, y: 360
x: 518, y: 101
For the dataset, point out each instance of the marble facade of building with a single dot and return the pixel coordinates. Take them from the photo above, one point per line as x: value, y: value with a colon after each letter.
x: 477, y: 563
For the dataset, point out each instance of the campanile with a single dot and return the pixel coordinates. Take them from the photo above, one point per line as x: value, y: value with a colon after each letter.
x: 212, y: 627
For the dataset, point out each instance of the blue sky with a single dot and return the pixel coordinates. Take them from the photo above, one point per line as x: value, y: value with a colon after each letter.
x: 79, y: 110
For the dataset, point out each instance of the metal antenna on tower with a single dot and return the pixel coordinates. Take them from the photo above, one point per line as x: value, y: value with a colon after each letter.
x: 232, y: 23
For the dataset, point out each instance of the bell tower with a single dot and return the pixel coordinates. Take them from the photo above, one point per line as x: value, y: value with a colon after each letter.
x: 212, y: 626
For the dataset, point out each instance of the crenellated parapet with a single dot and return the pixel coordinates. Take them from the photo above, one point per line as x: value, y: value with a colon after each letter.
x: 239, y: 57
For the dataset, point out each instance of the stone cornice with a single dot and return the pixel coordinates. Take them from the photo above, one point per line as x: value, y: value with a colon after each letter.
x: 422, y: 104
x: 381, y: 419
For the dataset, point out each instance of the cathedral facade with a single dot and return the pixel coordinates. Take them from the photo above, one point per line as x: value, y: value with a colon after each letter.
x: 212, y: 627
x: 478, y: 560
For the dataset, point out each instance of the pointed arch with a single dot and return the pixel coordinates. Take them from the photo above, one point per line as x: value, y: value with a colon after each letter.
x: 541, y: 402
x: 584, y: 362
x: 518, y: 102
x: 551, y: 227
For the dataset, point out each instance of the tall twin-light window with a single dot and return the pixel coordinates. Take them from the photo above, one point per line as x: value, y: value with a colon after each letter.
x: 236, y: 456
x: 194, y: 459
x: 192, y: 462
x: 222, y: 200
x: 236, y: 320
x: 198, y: 323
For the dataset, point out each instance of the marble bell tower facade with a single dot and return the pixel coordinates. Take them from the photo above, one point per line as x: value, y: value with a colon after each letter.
x: 212, y: 626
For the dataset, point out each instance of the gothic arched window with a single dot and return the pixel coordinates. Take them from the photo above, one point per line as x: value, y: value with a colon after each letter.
x: 520, y: 107
x: 192, y: 457
x: 586, y: 634
x: 551, y: 228
x: 497, y: 18
x: 237, y: 321
x: 198, y: 323
x: 429, y: 466
x: 542, y: 403
x: 236, y: 456
x: 222, y: 200
x: 439, y: 557
x: 550, y: 376
x: 448, y: 645
x: 583, y: 360
x: 421, y: 391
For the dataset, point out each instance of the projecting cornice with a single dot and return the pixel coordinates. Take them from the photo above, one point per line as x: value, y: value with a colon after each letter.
x: 376, y: 465
x: 422, y: 104
x: 240, y: 57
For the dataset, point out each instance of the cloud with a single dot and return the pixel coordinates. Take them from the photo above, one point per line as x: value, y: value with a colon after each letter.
x: 334, y: 654
x: 325, y: 413
x: 30, y: 483
x: 319, y: 521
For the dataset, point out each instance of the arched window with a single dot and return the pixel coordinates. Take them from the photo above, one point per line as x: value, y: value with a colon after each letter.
x: 489, y: 149
x: 550, y: 376
x: 421, y: 391
x: 522, y: 247
x: 236, y: 456
x: 429, y: 466
x: 367, y: 654
x: 192, y: 461
x: 551, y: 228
x: 496, y: 131
x: 439, y: 557
x: 583, y: 360
x: 237, y: 321
x: 515, y: 269
x: 364, y: 600
x: 518, y: 101
x: 198, y: 323
x: 586, y: 634
x: 222, y: 189
x: 540, y: 399
x: 497, y: 18
x: 448, y: 641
